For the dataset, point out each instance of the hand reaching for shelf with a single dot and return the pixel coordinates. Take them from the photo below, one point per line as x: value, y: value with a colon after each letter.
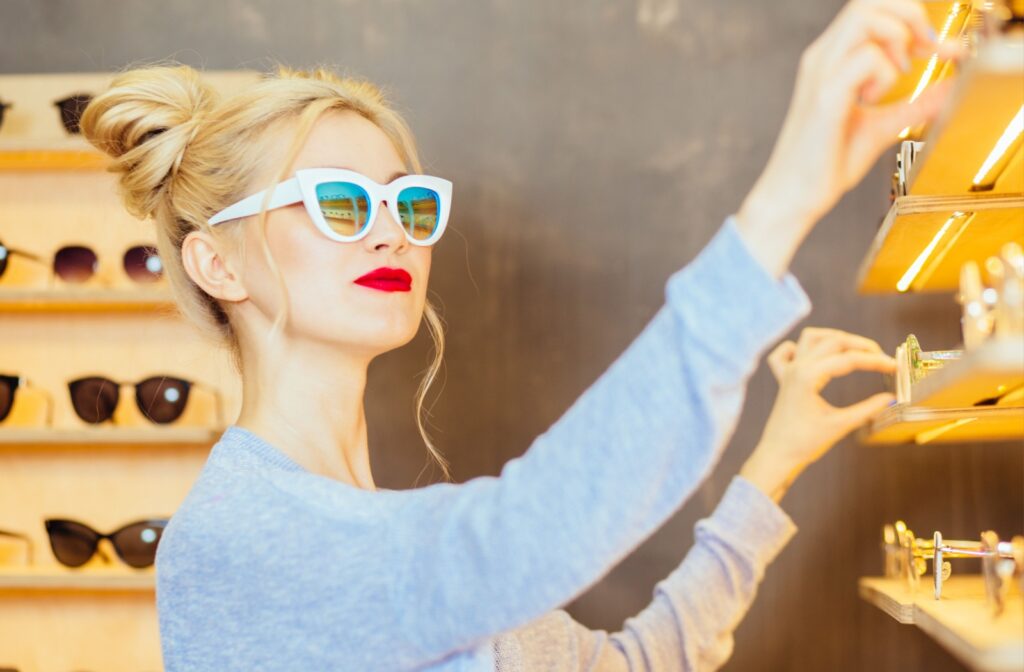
x: 803, y: 425
x: 834, y: 132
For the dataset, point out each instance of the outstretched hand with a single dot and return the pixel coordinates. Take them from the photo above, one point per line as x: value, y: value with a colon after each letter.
x: 834, y: 130
x: 803, y: 426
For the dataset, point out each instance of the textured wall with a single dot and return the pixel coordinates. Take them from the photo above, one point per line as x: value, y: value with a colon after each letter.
x: 595, y: 147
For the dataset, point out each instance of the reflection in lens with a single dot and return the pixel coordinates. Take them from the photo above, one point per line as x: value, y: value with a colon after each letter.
x: 142, y: 264
x: 418, y: 208
x: 136, y: 543
x: 72, y: 543
x: 345, y: 207
x: 75, y: 263
x: 162, y: 399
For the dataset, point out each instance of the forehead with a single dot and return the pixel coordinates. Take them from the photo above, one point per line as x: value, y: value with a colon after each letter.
x: 349, y: 140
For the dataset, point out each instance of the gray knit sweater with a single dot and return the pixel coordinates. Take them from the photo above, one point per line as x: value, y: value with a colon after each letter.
x: 267, y: 566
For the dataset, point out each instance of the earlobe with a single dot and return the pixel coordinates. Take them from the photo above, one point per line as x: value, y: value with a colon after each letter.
x: 210, y: 269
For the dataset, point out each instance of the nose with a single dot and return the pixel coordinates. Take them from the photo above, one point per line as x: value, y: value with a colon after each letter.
x: 385, y: 232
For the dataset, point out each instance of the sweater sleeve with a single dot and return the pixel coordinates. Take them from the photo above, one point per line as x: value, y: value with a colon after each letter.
x: 689, y: 624
x: 494, y: 553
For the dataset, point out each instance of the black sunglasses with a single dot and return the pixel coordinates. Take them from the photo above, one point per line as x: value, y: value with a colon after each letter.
x: 77, y: 263
x: 75, y: 543
x: 71, y: 109
x: 162, y: 399
x: 3, y: 109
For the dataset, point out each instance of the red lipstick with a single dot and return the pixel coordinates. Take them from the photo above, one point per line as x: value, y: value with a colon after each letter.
x: 387, y: 280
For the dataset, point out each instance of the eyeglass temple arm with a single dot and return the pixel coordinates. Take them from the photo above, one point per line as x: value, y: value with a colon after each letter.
x: 22, y: 537
x: 26, y: 382
x: 218, y: 401
x: 285, y: 193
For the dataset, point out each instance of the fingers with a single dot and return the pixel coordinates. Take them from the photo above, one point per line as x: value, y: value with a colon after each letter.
x: 866, y: 74
x: 780, y: 357
x: 855, y: 415
x: 898, y: 27
x: 825, y: 341
x: 882, y: 124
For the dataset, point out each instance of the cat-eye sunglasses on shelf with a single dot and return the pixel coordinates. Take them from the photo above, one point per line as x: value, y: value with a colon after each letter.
x: 343, y: 204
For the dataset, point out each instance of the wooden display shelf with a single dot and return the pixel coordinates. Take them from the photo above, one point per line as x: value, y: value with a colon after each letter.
x: 913, y: 424
x: 961, y: 621
x: 988, y: 96
x: 59, y: 578
x: 18, y: 300
x: 958, y: 229
x: 71, y: 153
x: 98, y: 436
x: 991, y: 371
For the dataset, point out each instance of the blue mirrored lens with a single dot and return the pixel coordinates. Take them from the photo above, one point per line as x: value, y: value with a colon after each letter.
x: 419, y: 209
x: 345, y: 206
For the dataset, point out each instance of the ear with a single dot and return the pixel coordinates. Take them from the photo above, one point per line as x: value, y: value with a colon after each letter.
x: 210, y: 269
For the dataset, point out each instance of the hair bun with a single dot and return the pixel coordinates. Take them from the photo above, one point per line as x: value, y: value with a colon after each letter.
x: 145, y: 121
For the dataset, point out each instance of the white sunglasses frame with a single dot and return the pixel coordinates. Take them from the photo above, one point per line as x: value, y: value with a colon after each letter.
x: 302, y: 189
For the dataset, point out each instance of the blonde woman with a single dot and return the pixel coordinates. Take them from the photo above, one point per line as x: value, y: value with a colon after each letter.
x: 295, y: 224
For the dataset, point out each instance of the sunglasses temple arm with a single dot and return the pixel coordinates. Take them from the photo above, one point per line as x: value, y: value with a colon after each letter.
x: 218, y: 402
x: 22, y: 537
x: 46, y: 395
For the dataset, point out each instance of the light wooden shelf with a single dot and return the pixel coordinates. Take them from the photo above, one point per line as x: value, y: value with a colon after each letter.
x: 59, y: 578
x: 913, y: 424
x: 914, y: 222
x: 961, y: 621
x: 988, y: 95
x: 99, y: 436
x: 991, y: 371
x: 70, y: 153
x: 19, y: 300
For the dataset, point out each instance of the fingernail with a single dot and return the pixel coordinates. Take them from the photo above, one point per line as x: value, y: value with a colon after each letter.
x: 892, y: 403
x: 932, y: 34
x: 905, y: 63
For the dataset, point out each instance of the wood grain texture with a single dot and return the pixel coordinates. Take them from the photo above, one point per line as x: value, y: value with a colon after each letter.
x: 595, y: 147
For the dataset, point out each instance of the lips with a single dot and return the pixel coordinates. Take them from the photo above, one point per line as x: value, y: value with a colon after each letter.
x: 387, y: 280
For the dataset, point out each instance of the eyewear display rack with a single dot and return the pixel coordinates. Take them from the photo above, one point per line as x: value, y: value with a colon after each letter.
x: 963, y: 201
x: 55, y: 191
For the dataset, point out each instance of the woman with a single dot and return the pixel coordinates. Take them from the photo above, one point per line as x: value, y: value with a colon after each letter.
x: 289, y: 229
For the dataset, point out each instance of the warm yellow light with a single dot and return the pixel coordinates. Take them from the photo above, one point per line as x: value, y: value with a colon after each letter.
x: 932, y: 434
x: 933, y: 62
x: 1006, y: 140
x: 915, y: 268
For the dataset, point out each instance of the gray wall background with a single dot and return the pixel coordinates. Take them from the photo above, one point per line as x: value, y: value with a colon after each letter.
x: 545, y: 115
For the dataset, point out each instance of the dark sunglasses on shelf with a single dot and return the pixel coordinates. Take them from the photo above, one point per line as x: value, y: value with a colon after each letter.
x: 75, y: 543
x: 71, y: 109
x: 9, y: 385
x: 3, y: 110
x: 77, y: 263
x: 24, y: 538
x: 162, y: 399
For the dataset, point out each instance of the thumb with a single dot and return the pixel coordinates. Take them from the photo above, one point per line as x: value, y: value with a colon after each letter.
x: 887, y: 121
x: 855, y: 415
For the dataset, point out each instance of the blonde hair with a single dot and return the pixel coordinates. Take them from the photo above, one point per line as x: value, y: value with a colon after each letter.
x: 183, y: 155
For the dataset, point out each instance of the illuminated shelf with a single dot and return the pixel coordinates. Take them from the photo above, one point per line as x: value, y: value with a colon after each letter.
x: 71, y: 153
x: 16, y: 300
x: 59, y: 578
x: 991, y: 371
x: 961, y: 622
x: 987, y: 98
x: 962, y: 228
x: 98, y: 436
x: 915, y: 424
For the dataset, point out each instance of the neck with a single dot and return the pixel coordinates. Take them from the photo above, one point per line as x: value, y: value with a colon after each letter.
x: 307, y: 400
